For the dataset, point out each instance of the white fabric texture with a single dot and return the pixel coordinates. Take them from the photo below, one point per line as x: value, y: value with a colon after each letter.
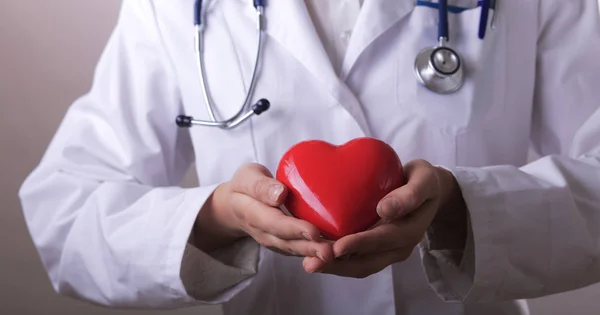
x: 334, y: 21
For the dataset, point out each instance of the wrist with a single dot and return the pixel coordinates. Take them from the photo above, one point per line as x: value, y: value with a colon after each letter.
x: 451, y: 219
x: 451, y: 197
x: 215, y: 225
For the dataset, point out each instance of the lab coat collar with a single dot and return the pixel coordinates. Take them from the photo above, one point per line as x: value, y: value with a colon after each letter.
x: 375, y: 18
x: 289, y: 23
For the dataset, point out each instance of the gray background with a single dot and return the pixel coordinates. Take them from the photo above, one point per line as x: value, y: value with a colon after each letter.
x: 48, y: 50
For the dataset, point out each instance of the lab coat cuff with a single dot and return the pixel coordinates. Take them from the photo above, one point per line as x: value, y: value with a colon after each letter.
x: 199, y: 278
x: 468, y: 275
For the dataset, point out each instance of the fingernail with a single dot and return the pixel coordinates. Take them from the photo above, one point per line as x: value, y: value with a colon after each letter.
x: 274, y: 192
x: 309, y: 270
x: 320, y: 256
x: 312, y: 270
x: 388, y: 207
x: 306, y: 236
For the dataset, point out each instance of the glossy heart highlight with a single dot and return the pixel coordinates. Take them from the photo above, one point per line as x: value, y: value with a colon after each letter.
x: 337, y: 188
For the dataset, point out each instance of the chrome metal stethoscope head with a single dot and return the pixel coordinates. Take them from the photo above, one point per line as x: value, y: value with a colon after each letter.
x: 440, y: 68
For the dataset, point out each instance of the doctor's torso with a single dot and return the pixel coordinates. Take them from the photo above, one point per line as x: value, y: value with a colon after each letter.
x: 373, y: 92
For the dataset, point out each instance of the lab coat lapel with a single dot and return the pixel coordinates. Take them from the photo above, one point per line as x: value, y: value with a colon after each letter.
x: 376, y: 17
x: 290, y: 24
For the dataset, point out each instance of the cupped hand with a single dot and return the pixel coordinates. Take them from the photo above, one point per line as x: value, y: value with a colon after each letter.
x: 406, y: 214
x: 248, y: 206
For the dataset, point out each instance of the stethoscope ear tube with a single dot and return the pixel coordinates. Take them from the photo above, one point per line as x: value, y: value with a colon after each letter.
x: 438, y: 68
x: 263, y: 105
x: 244, y: 113
x: 483, y: 21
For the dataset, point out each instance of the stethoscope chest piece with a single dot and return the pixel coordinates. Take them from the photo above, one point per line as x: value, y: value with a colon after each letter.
x: 439, y: 69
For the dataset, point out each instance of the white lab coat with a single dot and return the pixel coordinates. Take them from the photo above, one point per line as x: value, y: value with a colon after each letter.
x: 111, y: 224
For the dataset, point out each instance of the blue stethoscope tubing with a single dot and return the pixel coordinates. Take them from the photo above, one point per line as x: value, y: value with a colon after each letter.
x: 438, y: 68
x: 486, y: 6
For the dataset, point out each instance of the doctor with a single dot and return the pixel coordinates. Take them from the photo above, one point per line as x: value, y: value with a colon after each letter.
x: 476, y: 228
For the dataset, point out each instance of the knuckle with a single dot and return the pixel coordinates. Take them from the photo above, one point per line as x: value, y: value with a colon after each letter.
x: 323, y: 249
x: 309, y: 229
x: 257, y: 187
x: 258, y: 169
x: 413, y: 195
x: 244, y: 167
x: 433, y: 175
x: 249, y: 224
x: 290, y: 249
x: 242, y: 207
x: 252, y: 167
x: 268, y: 242
x: 422, y: 163
x: 242, y: 171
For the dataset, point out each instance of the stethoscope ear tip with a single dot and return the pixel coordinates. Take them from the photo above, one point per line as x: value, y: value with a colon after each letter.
x: 261, y: 106
x: 183, y: 121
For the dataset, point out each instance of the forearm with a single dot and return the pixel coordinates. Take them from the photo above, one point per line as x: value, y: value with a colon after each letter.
x: 115, y: 243
x: 534, y: 232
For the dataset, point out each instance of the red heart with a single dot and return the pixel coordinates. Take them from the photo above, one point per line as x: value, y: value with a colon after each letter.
x: 337, y: 188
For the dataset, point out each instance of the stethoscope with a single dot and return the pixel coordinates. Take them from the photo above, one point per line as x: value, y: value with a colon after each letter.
x: 438, y: 68
x: 243, y: 114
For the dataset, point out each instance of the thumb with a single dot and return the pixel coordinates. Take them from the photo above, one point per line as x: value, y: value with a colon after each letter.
x: 256, y: 181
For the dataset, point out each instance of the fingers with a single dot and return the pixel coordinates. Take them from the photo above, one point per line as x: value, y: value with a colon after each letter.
x: 398, y: 234
x: 422, y: 185
x: 282, y: 234
x: 258, y: 216
x: 257, y: 182
x: 320, y: 251
x: 358, y: 266
x: 312, y: 264
x: 254, y: 196
x: 379, y: 239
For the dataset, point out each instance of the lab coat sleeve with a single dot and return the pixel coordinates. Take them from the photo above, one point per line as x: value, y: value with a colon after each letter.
x: 535, y: 229
x: 104, y: 206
